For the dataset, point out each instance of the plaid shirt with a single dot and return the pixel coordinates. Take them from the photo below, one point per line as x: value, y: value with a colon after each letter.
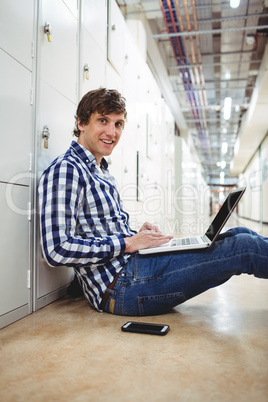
x: 83, y: 224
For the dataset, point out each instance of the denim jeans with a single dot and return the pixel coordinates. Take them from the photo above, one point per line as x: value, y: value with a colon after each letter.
x: 154, y: 284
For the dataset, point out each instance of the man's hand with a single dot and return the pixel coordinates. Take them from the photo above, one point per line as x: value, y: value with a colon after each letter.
x: 148, y: 236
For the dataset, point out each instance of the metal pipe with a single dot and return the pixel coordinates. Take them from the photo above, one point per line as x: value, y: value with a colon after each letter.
x: 214, y: 64
x: 209, y: 31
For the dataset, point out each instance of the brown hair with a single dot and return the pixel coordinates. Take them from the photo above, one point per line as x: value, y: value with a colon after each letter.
x: 103, y: 101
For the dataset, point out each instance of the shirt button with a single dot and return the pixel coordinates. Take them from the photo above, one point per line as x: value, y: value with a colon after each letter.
x: 123, y: 274
x: 87, y: 160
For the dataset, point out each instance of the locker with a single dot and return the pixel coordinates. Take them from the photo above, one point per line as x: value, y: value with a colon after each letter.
x: 15, y: 261
x: 16, y: 120
x: 113, y: 79
x: 55, y: 112
x: 94, y: 20
x: 56, y: 106
x: 57, y: 59
x: 16, y: 30
x: 116, y: 33
x: 93, y: 59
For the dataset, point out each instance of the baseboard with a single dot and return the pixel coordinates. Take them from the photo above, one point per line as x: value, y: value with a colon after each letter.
x: 51, y: 297
x: 15, y: 315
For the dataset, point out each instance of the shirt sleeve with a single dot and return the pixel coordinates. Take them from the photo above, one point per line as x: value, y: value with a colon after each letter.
x: 60, y: 193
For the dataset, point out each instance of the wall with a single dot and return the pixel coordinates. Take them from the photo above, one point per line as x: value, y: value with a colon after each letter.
x: 191, y: 195
x: 255, y: 200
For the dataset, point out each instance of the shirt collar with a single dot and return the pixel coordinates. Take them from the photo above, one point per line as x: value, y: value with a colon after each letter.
x: 87, y: 156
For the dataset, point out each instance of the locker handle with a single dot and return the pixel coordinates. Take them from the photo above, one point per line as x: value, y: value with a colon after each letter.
x: 48, y: 31
x: 45, y: 136
x: 86, y: 71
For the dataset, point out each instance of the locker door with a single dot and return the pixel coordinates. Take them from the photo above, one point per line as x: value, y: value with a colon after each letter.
x: 93, y: 62
x: 116, y: 33
x: 15, y: 148
x: 16, y: 28
x: 15, y: 262
x: 56, y: 105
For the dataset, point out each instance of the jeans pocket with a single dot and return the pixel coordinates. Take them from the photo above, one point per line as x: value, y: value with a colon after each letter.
x: 159, y: 304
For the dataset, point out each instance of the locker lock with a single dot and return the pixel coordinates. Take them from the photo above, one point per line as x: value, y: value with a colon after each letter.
x: 45, y: 136
x: 48, y: 31
x: 86, y: 71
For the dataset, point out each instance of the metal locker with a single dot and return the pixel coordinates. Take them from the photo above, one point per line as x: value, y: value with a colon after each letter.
x: 94, y: 20
x: 16, y: 120
x: 93, y: 63
x: 57, y: 55
x: 16, y: 30
x: 116, y: 33
x: 56, y: 106
x: 15, y: 255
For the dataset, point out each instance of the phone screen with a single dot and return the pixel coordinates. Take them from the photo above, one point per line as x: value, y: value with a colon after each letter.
x: 145, y: 328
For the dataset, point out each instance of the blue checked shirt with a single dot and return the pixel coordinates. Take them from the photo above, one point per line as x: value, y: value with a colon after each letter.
x: 83, y: 224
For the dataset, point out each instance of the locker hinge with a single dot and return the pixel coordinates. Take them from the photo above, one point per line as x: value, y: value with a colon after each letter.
x: 29, y: 211
x: 30, y: 162
x: 32, y: 49
x: 31, y: 96
x: 29, y: 279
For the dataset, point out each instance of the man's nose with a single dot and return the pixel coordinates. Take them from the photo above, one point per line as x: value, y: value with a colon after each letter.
x: 111, y: 129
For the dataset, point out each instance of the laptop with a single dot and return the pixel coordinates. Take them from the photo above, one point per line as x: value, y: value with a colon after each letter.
x: 211, y: 234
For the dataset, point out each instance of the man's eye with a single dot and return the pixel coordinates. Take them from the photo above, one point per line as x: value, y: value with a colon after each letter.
x: 103, y: 120
x: 119, y: 124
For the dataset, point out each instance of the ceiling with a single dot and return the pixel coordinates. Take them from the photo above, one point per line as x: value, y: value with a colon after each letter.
x: 201, y: 52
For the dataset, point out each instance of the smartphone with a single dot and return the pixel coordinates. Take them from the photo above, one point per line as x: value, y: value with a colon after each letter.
x: 145, y: 328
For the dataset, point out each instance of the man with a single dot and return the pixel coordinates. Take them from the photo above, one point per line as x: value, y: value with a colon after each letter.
x: 84, y: 226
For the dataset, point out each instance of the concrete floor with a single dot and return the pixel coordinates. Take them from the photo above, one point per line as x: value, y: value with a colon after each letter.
x: 216, y: 350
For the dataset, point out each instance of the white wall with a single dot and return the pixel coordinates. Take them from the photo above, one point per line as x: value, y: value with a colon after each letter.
x: 254, y: 204
x: 192, y: 195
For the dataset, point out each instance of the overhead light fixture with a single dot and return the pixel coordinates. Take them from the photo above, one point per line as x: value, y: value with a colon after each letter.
x: 227, y: 108
x: 227, y: 75
x: 223, y: 163
x: 224, y: 147
x: 234, y: 3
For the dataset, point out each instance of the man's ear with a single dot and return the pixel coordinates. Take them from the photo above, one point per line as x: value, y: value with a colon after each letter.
x: 79, y: 125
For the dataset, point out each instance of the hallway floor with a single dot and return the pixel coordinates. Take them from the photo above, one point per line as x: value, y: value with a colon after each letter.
x: 216, y: 350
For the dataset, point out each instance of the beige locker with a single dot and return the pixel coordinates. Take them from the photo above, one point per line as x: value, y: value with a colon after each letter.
x: 56, y: 104
x: 15, y: 280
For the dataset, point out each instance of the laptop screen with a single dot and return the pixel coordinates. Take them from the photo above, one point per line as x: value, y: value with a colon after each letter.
x: 223, y: 214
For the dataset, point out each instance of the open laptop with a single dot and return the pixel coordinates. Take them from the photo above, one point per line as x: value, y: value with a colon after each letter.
x: 211, y: 234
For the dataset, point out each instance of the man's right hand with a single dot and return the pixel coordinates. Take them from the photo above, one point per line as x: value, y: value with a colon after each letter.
x: 145, y: 239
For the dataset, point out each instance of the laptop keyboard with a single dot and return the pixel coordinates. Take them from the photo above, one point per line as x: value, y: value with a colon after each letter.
x: 186, y: 241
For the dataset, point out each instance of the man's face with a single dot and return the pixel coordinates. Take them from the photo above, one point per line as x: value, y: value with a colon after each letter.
x: 101, y: 134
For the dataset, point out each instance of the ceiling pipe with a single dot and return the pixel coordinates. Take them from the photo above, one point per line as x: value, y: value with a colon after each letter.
x: 208, y: 31
x: 177, y: 49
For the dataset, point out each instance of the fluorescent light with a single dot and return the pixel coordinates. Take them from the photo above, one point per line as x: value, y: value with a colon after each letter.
x: 223, y: 163
x: 234, y: 3
x: 227, y: 108
x: 224, y: 147
x: 222, y: 174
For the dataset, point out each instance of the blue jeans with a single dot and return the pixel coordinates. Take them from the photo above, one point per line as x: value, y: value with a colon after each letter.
x: 151, y: 285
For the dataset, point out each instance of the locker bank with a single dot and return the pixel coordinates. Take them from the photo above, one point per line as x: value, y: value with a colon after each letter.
x: 195, y: 78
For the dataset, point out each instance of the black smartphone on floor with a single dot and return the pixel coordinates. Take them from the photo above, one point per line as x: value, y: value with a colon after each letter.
x: 145, y: 328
